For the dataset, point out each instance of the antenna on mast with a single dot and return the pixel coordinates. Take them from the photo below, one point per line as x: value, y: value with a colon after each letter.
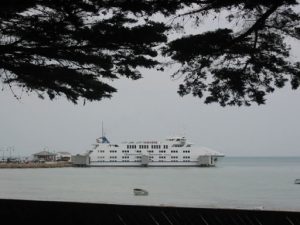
x: 102, y: 129
x: 103, y: 138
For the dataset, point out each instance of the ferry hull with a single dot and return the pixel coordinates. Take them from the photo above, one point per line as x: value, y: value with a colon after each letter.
x: 153, y: 164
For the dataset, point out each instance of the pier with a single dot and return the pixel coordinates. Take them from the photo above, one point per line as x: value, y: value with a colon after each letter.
x: 34, y: 165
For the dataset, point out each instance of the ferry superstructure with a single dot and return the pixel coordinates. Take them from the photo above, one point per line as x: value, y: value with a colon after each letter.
x: 174, y: 151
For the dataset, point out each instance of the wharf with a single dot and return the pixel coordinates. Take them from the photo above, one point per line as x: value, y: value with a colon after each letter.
x: 38, y: 212
x: 34, y: 165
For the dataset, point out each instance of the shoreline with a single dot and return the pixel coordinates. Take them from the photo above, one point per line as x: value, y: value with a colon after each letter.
x: 34, y: 165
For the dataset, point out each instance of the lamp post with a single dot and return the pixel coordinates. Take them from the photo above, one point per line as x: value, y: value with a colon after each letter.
x: 1, y: 150
x: 10, y: 149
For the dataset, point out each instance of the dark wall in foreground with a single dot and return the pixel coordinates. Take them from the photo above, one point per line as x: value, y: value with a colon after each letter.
x: 40, y: 212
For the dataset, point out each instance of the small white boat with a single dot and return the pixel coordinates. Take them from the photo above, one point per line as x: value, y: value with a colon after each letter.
x: 141, y: 192
x: 297, y: 181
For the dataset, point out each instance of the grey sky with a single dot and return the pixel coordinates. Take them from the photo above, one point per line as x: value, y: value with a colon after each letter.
x: 150, y: 109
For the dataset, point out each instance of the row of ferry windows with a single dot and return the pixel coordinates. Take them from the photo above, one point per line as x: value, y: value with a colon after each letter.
x: 150, y: 151
x: 139, y: 157
x: 147, y: 146
x: 173, y: 160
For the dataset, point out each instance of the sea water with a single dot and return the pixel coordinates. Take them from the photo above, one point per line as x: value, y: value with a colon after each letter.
x: 236, y: 182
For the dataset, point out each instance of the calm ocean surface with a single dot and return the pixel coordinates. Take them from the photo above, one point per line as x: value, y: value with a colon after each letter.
x: 237, y: 182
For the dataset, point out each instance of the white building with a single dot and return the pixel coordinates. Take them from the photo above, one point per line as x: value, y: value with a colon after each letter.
x: 63, y: 156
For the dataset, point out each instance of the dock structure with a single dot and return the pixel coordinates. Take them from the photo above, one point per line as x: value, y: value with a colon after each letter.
x: 80, y: 160
x: 36, y: 212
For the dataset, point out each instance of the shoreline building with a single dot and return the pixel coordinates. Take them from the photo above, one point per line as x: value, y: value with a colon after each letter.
x: 45, y: 156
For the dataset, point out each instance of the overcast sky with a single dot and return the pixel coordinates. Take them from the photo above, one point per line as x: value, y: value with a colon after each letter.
x: 151, y: 109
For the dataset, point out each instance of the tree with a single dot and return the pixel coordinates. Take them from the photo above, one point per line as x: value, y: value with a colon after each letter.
x: 74, y: 47
x: 71, y: 46
x: 239, y: 66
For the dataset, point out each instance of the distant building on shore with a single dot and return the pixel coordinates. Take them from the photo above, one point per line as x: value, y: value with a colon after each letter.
x: 63, y: 156
x: 44, y: 156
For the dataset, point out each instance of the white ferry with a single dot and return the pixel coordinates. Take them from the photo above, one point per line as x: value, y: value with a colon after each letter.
x: 175, y: 151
